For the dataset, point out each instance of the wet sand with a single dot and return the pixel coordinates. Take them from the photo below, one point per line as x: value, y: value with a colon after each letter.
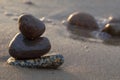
x: 85, y: 58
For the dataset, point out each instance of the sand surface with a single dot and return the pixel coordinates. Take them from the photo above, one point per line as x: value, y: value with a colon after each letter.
x: 85, y: 59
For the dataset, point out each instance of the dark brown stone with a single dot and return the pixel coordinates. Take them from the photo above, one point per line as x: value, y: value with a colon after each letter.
x: 22, y: 48
x: 31, y: 27
x: 112, y: 28
x: 83, y: 20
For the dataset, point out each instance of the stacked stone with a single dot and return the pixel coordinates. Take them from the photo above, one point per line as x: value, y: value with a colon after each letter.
x: 29, y: 49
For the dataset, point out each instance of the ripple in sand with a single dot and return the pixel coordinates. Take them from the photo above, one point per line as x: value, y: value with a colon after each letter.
x: 15, y: 18
x: 8, y: 13
x: 11, y: 15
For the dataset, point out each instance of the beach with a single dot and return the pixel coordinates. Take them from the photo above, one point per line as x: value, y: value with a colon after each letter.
x: 85, y: 58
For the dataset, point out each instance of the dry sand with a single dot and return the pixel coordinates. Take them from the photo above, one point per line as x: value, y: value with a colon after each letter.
x: 87, y: 59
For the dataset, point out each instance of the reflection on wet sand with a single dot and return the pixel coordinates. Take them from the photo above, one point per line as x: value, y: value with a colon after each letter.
x: 78, y: 33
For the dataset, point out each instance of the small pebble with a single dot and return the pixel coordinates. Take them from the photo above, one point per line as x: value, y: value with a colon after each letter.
x: 28, y: 2
x: 86, y: 47
x: 112, y: 29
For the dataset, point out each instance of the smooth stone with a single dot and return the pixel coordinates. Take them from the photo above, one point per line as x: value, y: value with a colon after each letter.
x: 22, y: 48
x: 112, y: 28
x: 114, y: 19
x: 46, y: 61
x: 83, y: 20
x: 30, y: 26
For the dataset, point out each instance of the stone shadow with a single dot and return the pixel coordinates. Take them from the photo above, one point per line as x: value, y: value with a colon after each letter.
x: 78, y: 33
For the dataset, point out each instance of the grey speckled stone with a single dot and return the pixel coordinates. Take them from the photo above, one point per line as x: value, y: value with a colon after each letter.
x: 46, y: 61
x: 22, y: 48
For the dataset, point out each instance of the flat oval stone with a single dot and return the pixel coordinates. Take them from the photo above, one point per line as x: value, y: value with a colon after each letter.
x: 112, y: 28
x: 30, y: 26
x: 47, y: 61
x: 22, y: 48
x: 83, y: 20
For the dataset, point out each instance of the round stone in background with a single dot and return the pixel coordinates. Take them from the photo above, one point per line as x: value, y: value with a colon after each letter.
x: 46, y: 61
x: 112, y: 28
x: 83, y: 20
x: 22, y: 48
x: 114, y: 19
x: 30, y: 26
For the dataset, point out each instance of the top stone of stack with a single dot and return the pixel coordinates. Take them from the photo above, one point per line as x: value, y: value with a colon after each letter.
x: 30, y: 26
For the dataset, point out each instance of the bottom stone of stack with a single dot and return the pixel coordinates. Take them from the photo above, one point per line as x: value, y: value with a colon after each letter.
x: 46, y: 61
